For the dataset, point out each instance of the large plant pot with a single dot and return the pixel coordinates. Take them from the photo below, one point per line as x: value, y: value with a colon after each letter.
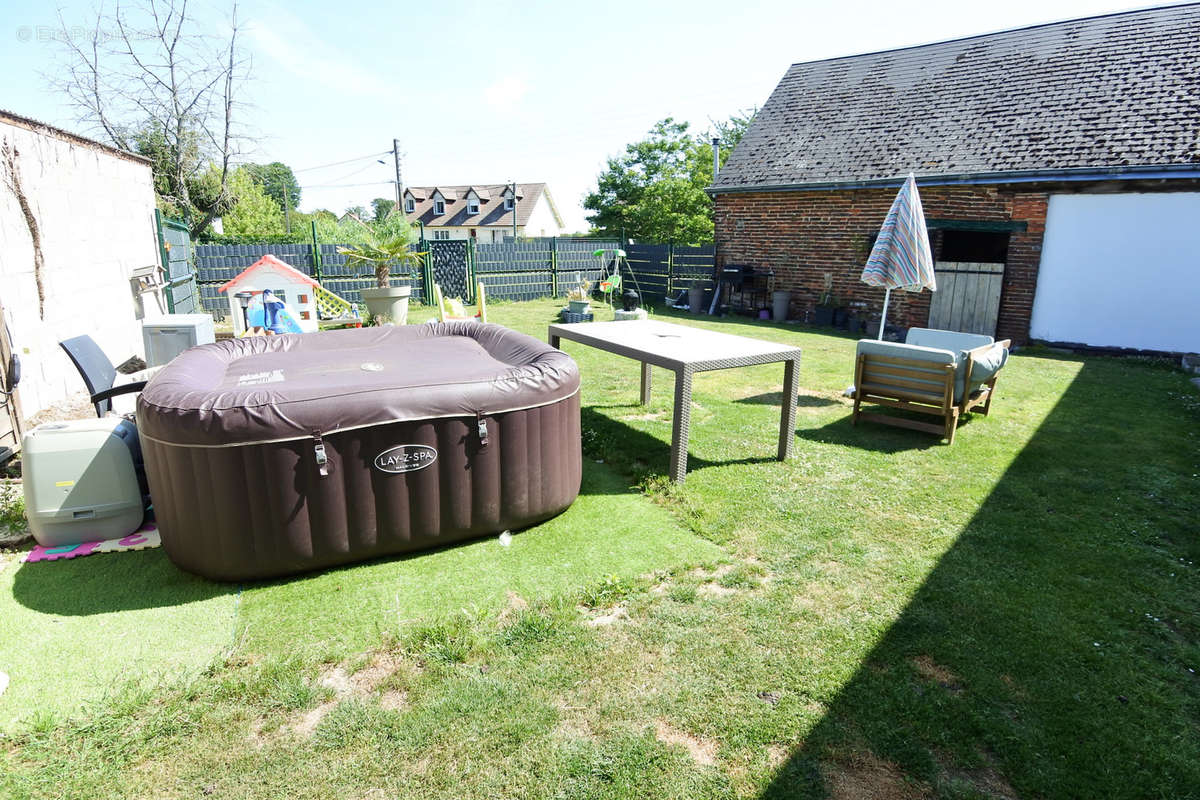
x: 823, y: 316
x: 779, y: 305
x: 696, y: 299
x: 390, y: 303
x: 579, y: 306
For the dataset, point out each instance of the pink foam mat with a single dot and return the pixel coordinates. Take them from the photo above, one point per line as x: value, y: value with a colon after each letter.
x: 141, y: 539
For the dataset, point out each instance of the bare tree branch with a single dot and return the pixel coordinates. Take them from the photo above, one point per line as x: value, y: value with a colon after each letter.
x: 12, y: 179
x: 151, y: 80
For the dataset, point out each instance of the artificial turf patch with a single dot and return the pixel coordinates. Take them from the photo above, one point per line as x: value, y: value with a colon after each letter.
x: 74, y: 631
x: 608, y: 531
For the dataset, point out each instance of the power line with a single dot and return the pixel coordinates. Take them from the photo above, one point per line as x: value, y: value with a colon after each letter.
x: 352, y: 173
x: 345, y: 185
x: 347, y: 161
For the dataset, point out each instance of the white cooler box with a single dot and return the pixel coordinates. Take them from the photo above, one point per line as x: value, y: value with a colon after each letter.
x: 167, y: 337
x: 80, y: 482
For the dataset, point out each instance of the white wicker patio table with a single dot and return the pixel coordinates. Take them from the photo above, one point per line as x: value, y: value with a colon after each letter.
x: 685, y: 351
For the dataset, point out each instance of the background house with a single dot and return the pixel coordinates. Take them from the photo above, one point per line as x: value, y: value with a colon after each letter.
x: 1067, y: 154
x: 483, y: 212
x: 85, y: 212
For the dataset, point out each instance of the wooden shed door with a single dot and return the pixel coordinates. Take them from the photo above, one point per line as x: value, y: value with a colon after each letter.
x: 968, y: 297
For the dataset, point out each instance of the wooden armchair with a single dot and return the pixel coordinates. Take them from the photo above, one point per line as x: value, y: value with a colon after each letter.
x: 937, y: 373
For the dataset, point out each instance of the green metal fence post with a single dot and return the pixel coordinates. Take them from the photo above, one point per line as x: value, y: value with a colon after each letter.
x: 166, y: 260
x: 670, y: 267
x: 316, y: 254
x: 426, y: 268
x: 554, y: 266
x: 470, y: 288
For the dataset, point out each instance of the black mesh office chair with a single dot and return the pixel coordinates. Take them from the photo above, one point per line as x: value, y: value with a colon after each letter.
x: 98, y: 372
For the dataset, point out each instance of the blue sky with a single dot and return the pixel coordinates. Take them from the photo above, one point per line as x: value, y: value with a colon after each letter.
x: 485, y: 92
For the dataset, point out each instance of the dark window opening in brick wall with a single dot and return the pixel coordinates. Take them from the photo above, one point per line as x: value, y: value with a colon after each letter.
x: 974, y: 247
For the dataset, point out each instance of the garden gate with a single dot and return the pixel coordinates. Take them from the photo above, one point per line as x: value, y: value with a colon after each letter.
x: 175, y: 247
x: 967, y: 298
x: 452, y: 266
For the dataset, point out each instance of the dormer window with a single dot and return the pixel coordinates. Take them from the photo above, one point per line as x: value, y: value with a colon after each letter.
x: 475, y: 198
x: 508, y: 203
x: 410, y: 205
x: 439, y: 206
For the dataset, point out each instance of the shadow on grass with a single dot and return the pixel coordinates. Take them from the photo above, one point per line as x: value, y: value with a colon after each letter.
x: 874, y: 436
x: 107, y: 582
x: 143, y: 579
x: 776, y: 398
x: 1032, y: 662
x: 642, y: 454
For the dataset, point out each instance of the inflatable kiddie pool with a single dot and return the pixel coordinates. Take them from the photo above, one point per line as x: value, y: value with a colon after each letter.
x: 277, y: 454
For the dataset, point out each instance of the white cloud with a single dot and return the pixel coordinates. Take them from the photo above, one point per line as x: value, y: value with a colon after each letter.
x: 506, y: 92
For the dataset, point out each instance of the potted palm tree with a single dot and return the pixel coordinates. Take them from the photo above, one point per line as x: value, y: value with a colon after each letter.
x: 386, y: 254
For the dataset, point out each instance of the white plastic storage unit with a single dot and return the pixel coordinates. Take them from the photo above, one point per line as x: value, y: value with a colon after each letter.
x: 167, y: 337
x: 80, y: 482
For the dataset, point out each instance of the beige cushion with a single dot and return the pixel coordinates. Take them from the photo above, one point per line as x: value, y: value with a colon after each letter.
x: 946, y: 340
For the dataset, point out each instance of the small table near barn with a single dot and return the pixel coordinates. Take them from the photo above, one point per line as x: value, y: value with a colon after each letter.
x: 685, y: 351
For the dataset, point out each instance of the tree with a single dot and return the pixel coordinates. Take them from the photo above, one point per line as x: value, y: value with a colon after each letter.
x: 358, y: 212
x: 350, y: 230
x: 382, y: 208
x: 152, y: 81
x: 254, y: 213
x: 278, y: 181
x: 655, y: 191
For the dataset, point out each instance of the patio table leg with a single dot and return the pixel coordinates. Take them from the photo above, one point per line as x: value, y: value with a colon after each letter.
x: 645, y: 384
x: 787, y: 414
x: 681, y: 424
x: 554, y: 342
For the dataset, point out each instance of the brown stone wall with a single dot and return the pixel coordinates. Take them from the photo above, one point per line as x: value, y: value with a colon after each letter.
x: 801, y: 236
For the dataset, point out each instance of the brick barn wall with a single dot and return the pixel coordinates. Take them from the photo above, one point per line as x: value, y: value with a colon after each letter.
x: 801, y: 236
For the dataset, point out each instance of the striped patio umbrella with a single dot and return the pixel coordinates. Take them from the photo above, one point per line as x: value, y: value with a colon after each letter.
x: 901, y: 258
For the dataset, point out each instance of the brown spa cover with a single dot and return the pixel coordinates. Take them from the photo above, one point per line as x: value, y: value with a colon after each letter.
x: 277, y: 454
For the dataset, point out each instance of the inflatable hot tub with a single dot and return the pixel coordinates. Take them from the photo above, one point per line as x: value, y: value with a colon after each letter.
x: 273, y: 455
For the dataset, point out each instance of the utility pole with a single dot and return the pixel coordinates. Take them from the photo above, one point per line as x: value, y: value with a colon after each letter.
x: 716, y: 144
x: 399, y: 186
x: 514, y: 191
x: 287, y: 208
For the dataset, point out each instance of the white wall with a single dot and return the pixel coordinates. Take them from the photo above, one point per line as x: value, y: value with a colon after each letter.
x: 95, y: 212
x: 455, y: 233
x: 486, y: 235
x: 1121, y: 270
x: 541, y: 221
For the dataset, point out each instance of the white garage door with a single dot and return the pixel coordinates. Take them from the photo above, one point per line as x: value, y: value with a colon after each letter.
x: 1121, y: 270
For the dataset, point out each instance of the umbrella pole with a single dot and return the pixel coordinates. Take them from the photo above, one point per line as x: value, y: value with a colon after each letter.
x: 887, y: 295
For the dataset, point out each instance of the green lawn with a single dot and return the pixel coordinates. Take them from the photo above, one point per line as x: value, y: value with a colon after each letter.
x: 883, y: 616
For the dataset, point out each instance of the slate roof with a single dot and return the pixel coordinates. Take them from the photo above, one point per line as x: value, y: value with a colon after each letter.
x: 1116, y: 91
x: 491, y: 205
